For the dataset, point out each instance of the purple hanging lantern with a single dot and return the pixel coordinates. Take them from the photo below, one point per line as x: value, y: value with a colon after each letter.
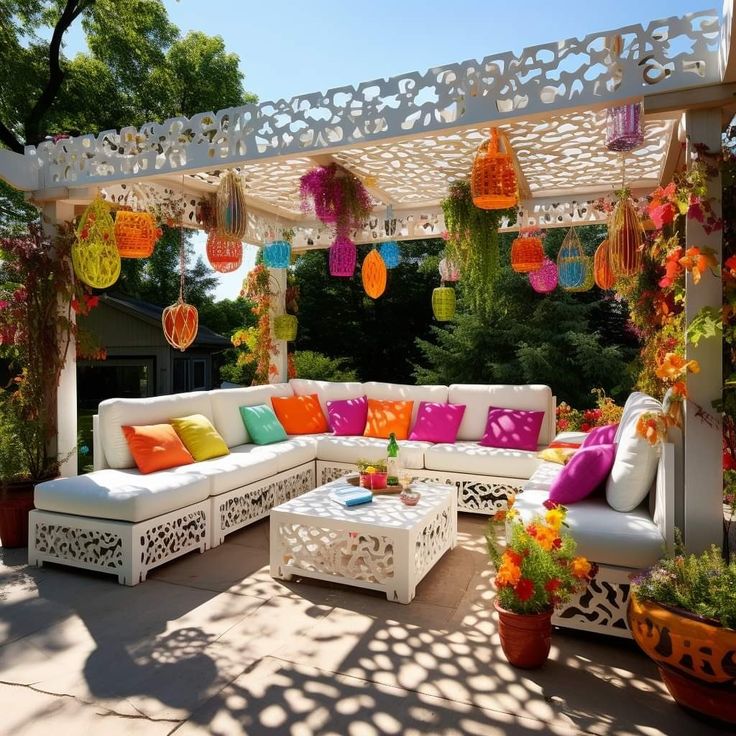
x: 343, y: 255
x: 545, y: 279
x: 624, y: 127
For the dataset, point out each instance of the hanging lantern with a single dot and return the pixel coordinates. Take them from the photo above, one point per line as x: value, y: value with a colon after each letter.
x: 285, y: 327
x: 449, y: 272
x: 443, y: 303
x: 493, y: 179
x: 544, y: 280
x: 95, y: 256
x: 135, y: 234
x: 224, y: 254
x: 602, y: 272
x: 180, y: 322
x: 373, y: 274
x: 588, y: 277
x: 527, y: 254
x: 624, y: 127
x: 571, y: 262
x: 230, y: 212
x: 391, y: 254
x: 343, y: 256
x: 625, y: 238
x: 277, y: 254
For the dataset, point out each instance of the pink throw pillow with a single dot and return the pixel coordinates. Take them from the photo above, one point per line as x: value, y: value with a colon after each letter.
x: 587, y: 469
x: 437, y: 422
x: 513, y: 429
x: 600, y: 435
x: 347, y: 416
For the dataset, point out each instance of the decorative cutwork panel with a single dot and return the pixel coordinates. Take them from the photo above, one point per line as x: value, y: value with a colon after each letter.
x: 356, y: 556
x: 89, y: 546
x: 603, y: 604
x: 329, y: 473
x: 432, y: 542
x: 664, y: 55
x: 480, y: 496
x: 165, y: 540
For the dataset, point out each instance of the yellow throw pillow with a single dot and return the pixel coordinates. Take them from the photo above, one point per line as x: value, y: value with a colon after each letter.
x: 554, y: 454
x: 200, y: 437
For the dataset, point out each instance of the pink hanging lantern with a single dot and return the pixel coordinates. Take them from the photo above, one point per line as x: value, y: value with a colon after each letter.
x: 449, y: 272
x: 624, y: 127
x: 545, y: 279
x: 343, y: 255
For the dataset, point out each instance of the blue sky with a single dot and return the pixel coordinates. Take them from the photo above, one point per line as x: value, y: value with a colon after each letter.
x: 288, y: 48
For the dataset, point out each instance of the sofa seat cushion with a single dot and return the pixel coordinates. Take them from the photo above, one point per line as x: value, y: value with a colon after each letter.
x: 543, y: 477
x: 472, y: 458
x: 608, y: 537
x: 296, y: 450
x: 123, y: 495
x: 352, y: 449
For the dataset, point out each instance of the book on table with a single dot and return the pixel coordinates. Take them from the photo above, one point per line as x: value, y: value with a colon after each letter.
x: 351, y: 496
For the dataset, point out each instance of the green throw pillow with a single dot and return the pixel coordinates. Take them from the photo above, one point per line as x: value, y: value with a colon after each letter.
x: 262, y: 425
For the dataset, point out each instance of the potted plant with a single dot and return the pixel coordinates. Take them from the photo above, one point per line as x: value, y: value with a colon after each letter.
x: 373, y: 474
x: 682, y: 613
x: 536, y: 571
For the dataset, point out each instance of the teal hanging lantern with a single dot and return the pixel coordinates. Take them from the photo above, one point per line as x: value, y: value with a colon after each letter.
x: 390, y: 253
x: 277, y: 254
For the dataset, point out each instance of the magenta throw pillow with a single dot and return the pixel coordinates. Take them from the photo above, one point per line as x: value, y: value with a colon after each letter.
x: 587, y: 469
x: 347, y: 416
x: 513, y: 429
x: 600, y: 436
x: 437, y: 422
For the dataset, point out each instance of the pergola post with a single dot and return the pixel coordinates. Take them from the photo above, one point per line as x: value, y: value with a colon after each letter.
x: 703, y: 473
x: 279, y: 358
x: 54, y: 214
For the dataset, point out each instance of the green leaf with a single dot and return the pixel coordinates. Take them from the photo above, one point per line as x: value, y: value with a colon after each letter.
x: 706, y: 323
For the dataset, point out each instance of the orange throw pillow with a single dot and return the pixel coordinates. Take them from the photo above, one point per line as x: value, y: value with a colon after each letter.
x: 385, y: 417
x: 156, y: 447
x: 300, y: 414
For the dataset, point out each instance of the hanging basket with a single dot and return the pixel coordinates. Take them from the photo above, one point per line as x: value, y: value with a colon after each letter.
x: 180, y: 322
x: 527, y: 254
x: 95, y: 256
x: 277, y: 254
x: 624, y: 130
x: 391, y: 254
x: 343, y: 256
x: 285, y: 327
x: 625, y: 238
x: 135, y: 234
x: 224, y: 254
x: 588, y: 277
x: 493, y: 179
x: 443, y: 303
x: 449, y: 272
x: 373, y: 273
x: 230, y: 210
x: 602, y: 271
x: 544, y: 280
x: 571, y: 262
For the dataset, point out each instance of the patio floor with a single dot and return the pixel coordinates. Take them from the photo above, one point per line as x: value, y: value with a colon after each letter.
x: 212, y: 644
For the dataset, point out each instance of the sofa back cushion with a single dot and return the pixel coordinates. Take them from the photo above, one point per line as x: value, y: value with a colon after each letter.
x: 327, y: 390
x: 114, y: 413
x: 404, y: 392
x: 226, y: 403
x: 478, y: 398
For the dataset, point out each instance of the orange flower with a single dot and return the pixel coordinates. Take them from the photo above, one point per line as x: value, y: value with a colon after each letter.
x: 697, y: 261
x: 508, y: 575
x: 581, y: 568
x: 546, y: 537
x: 651, y: 427
x: 555, y: 517
x: 511, y: 558
x: 673, y: 366
x: 679, y: 390
x: 510, y: 499
x: 500, y: 515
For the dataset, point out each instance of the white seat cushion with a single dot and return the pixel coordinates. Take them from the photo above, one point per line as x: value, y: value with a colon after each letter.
x: 543, y: 477
x: 404, y: 392
x: 470, y: 457
x: 327, y: 390
x: 297, y: 450
x: 124, y: 495
x: 352, y: 449
x: 608, y: 537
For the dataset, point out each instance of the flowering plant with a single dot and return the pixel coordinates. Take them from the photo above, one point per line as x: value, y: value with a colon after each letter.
x: 538, y: 569
x: 606, y: 411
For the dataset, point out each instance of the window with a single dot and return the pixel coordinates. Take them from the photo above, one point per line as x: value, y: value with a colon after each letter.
x: 180, y: 379
x: 129, y: 378
x: 199, y: 374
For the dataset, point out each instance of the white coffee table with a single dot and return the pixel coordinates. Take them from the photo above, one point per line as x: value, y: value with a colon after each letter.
x: 383, y: 545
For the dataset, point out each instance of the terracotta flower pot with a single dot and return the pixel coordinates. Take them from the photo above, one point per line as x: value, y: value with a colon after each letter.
x: 696, y: 657
x: 16, y: 501
x: 525, y: 638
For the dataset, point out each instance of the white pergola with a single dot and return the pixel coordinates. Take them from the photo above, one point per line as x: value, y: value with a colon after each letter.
x: 409, y: 136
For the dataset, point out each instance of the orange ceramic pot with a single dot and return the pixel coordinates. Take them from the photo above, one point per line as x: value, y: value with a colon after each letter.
x: 525, y: 637
x: 696, y: 657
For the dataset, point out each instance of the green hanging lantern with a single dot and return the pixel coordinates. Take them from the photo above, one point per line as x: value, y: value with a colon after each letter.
x: 443, y: 303
x: 285, y: 327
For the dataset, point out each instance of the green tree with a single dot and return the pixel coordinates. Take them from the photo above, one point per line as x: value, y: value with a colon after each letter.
x: 320, y: 367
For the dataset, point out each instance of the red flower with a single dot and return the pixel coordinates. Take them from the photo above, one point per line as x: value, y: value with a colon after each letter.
x: 524, y: 589
x: 695, y: 209
x: 550, y: 504
x: 551, y: 585
x: 513, y: 557
x: 729, y: 462
x: 662, y: 215
x: 585, y: 427
x: 92, y: 301
x: 556, y: 543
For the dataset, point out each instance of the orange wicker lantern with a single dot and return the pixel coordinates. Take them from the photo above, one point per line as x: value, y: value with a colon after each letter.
x: 181, y: 323
x: 625, y: 238
x: 135, y: 234
x: 527, y: 254
x: 602, y: 272
x: 493, y: 179
x: 373, y: 272
x: 230, y: 207
x: 224, y: 254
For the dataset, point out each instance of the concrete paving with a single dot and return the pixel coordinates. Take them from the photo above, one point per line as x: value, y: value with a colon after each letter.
x: 211, y: 644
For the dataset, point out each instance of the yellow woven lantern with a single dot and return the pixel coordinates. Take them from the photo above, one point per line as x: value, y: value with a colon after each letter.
x: 625, y: 237
x: 493, y: 179
x: 527, y: 254
x: 230, y: 209
x: 285, y: 327
x: 181, y: 323
x: 373, y: 272
x: 443, y: 303
x: 135, y: 234
x: 602, y: 272
x: 224, y: 254
x: 95, y: 256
